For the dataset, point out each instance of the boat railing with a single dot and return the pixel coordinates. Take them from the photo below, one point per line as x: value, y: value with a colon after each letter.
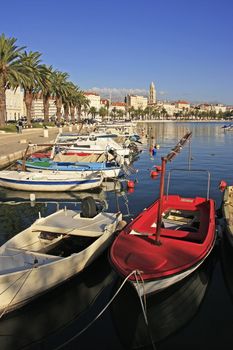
x: 190, y: 170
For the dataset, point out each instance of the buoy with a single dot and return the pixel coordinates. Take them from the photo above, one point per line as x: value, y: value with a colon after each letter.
x: 130, y: 184
x: 32, y: 197
x: 130, y: 190
x: 222, y: 185
x: 154, y: 173
x: 158, y: 167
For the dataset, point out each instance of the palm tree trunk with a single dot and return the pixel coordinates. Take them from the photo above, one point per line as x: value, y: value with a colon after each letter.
x: 66, y: 112
x: 72, y: 111
x: 28, y: 98
x: 59, y: 107
x: 46, y: 108
x: 79, y: 114
x: 2, y: 105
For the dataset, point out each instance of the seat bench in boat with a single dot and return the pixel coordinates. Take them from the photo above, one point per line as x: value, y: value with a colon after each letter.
x: 179, y: 224
x: 72, y: 223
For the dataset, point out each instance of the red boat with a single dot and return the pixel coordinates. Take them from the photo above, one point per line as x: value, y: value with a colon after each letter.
x: 166, y: 242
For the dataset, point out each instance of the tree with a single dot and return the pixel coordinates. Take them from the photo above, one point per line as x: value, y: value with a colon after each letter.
x: 12, y: 71
x: 93, y: 112
x: 120, y: 113
x: 81, y: 103
x: 37, y: 77
x: 103, y: 112
x: 46, y: 91
x: 131, y: 112
x: 114, y: 113
x: 70, y: 100
x: 60, y: 90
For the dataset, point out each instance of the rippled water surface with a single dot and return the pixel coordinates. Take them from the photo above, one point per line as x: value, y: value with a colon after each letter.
x: 195, y: 314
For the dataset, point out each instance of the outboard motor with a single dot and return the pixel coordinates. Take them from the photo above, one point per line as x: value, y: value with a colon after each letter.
x: 88, y: 207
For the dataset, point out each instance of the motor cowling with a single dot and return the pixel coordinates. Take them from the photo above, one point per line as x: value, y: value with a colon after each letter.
x: 88, y: 207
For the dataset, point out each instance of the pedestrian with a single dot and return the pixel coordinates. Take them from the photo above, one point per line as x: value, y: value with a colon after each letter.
x: 20, y: 126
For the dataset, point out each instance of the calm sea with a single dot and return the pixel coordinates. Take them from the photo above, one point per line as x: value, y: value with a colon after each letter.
x: 195, y: 314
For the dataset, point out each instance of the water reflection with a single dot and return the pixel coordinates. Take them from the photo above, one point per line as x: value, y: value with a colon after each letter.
x: 226, y: 258
x: 167, y: 311
x: 54, y: 318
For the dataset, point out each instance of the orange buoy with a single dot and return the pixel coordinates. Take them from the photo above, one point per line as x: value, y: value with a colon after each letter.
x: 130, y: 184
x: 130, y: 190
x: 158, y: 167
x: 154, y: 173
x: 222, y: 185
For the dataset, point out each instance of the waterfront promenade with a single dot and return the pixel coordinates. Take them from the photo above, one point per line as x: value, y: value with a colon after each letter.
x: 13, y: 145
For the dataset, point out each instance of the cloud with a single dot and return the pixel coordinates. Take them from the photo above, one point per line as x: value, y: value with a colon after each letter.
x: 118, y: 94
x: 162, y: 93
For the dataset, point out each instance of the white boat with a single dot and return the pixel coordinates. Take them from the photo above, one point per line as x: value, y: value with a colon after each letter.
x: 227, y: 207
x: 52, y: 250
x: 53, y: 181
x: 89, y: 144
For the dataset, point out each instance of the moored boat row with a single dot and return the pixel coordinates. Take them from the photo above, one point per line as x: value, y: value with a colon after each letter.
x: 164, y: 244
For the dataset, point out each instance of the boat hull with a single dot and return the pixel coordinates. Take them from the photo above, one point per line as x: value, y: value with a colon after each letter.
x: 54, y: 183
x: 187, y: 237
x: 85, y: 170
x: 151, y: 287
x: 227, y: 208
x: 20, y: 287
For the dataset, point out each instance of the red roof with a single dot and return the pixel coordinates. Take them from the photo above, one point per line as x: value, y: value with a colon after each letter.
x: 104, y: 101
x: 90, y: 93
x: 119, y: 104
x: 183, y: 102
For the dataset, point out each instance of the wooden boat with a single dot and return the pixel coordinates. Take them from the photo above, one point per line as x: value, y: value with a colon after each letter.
x: 52, y: 250
x: 106, y: 169
x: 186, y: 227
x: 39, y: 181
x: 65, y: 308
x: 227, y: 207
x: 89, y: 144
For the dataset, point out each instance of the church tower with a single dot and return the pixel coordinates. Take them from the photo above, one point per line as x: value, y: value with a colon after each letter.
x: 152, y: 94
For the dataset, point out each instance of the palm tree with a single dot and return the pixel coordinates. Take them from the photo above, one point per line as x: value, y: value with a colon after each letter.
x: 103, y: 112
x: 46, y: 91
x: 59, y: 90
x: 113, y: 113
x: 37, y: 76
x: 82, y: 102
x: 120, y: 113
x: 70, y: 100
x: 12, y: 71
x: 93, y: 112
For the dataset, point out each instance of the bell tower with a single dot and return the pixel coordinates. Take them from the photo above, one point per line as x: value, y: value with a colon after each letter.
x: 152, y: 93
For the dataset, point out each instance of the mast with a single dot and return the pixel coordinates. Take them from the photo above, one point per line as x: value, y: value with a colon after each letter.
x: 169, y: 158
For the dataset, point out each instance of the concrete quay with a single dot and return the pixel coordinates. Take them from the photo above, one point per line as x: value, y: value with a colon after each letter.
x: 13, y: 145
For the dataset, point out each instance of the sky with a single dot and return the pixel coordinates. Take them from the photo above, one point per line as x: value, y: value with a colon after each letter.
x: 120, y: 46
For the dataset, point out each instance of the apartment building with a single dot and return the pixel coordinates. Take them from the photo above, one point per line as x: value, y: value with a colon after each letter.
x: 14, y: 104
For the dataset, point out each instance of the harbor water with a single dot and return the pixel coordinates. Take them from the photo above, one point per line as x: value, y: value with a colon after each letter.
x: 196, y: 313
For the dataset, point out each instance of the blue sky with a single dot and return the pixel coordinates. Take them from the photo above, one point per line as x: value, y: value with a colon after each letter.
x: 184, y: 46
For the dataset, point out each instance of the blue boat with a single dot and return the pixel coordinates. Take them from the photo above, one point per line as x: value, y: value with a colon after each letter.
x: 106, y: 169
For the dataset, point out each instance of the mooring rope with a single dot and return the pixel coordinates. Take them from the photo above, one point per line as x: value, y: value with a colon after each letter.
x: 144, y: 305
x: 135, y: 273
x: 17, y: 292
